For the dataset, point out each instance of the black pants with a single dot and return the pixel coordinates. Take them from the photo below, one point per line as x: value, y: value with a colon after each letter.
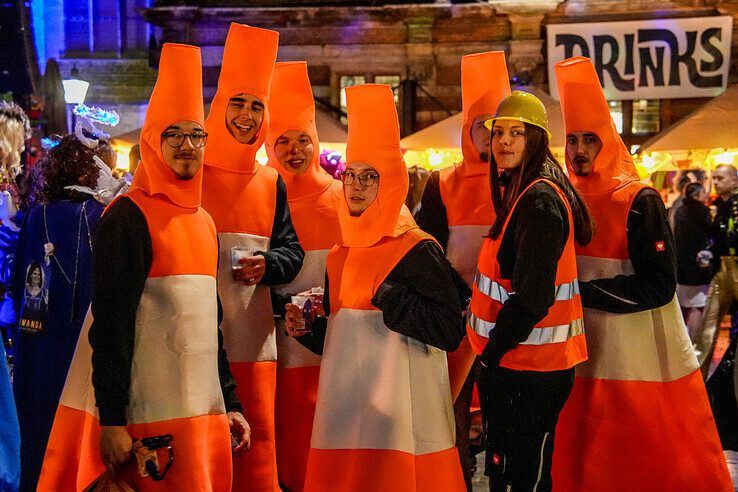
x: 521, y: 409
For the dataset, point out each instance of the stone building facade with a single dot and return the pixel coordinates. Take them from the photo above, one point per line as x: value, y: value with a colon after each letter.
x: 351, y: 41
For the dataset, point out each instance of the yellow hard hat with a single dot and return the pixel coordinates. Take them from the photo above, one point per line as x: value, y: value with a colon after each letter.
x: 521, y: 106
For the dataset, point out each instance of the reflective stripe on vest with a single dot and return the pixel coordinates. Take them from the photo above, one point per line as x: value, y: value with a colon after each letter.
x: 539, y: 336
x: 557, y: 341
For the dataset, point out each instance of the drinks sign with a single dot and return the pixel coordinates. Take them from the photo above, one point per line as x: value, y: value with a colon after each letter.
x: 649, y: 59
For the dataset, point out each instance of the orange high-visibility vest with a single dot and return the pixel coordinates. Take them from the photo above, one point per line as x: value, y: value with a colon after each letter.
x: 175, y: 387
x: 638, y: 414
x: 369, y: 435
x: 557, y: 341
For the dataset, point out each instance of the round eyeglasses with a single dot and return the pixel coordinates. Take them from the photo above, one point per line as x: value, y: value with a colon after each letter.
x: 176, y: 139
x: 365, y: 179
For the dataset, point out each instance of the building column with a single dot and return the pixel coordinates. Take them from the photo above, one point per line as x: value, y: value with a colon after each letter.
x: 525, y: 58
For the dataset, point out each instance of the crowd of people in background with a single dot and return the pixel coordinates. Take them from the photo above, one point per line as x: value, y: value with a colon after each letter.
x: 156, y: 311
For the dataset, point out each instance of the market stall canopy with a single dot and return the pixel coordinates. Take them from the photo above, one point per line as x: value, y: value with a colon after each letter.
x: 713, y: 125
x: 705, y: 138
x: 438, y: 145
x: 331, y: 132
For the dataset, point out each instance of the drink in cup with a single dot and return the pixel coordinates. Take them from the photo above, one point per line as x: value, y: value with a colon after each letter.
x: 239, y: 253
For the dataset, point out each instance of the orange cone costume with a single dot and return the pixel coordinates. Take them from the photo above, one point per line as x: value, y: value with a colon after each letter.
x: 313, y: 197
x: 174, y: 376
x: 242, y: 197
x: 638, y: 417
x: 384, y: 420
x: 464, y: 188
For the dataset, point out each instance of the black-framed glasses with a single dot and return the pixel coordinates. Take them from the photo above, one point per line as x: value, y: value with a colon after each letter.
x: 365, y: 179
x: 176, y: 139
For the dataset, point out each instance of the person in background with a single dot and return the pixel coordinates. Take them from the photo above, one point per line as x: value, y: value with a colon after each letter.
x: 691, y: 224
x: 723, y: 254
x: 55, y: 248
x: 134, y: 159
x: 14, y: 131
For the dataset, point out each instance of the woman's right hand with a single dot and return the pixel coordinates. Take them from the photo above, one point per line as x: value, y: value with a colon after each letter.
x: 115, y: 446
x: 294, y: 320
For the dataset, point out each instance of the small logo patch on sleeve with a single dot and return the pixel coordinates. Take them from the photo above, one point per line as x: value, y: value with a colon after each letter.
x: 660, y: 246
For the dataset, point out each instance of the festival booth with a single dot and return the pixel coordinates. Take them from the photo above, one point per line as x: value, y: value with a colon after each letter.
x: 332, y: 140
x: 703, y: 140
x: 439, y: 145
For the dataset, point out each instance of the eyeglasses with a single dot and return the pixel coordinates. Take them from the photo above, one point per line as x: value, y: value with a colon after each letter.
x: 365, y: 179
x: 176, y: 139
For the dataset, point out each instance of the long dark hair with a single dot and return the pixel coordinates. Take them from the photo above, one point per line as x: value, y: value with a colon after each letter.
x: 537, y: 162
x: 68, y: 163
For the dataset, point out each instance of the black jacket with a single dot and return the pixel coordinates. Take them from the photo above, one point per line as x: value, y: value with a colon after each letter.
x: 691, y: 235
x: 651, y: 251
x: 418, y: 299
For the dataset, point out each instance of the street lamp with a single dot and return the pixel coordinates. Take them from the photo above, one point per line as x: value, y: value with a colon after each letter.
x: 75, y: 91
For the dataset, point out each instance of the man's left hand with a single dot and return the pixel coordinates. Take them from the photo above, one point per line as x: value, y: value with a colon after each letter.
x: 252, y: 270
x: 240, y: 431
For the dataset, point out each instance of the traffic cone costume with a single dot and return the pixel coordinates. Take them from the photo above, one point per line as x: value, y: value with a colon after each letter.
x: 638, y: 414
x: 464, y: 187
x: 241, y: 196
x: 384, y: 420
x: 174, y: 377
x: 313, y: 198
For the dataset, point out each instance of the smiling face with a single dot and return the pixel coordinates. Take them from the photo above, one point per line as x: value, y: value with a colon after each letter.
x: 582, y: 148
x: 244, y: 116
x: 294, y: 150
x: 360, y: 196
x: 480, y: 136
x: 184, y: 159
x: 508, y: 143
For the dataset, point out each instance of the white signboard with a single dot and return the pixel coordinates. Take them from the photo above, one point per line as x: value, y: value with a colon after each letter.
x: 648, y: 59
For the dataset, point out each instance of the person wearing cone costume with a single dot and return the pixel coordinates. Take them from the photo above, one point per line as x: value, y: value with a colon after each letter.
x: 384, y: 418
x: 456, y: 210
x: 313, y: 195
x: 157, y: 362
x: 248, y: 203
x: 525, y: 315
x: 638, y: 414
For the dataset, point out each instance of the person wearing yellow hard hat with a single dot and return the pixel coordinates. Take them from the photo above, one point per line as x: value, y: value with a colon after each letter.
x: 526, y: 314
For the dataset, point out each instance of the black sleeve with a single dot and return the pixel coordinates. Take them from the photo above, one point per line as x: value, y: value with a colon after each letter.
x: 227, y: 381
x: 539, y: 235
x: 418, y: 298
x: 432, y: 214
x: 285, y: 255
x: 315, y: 340
x: 652, y: 253
x: 120, y: 265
